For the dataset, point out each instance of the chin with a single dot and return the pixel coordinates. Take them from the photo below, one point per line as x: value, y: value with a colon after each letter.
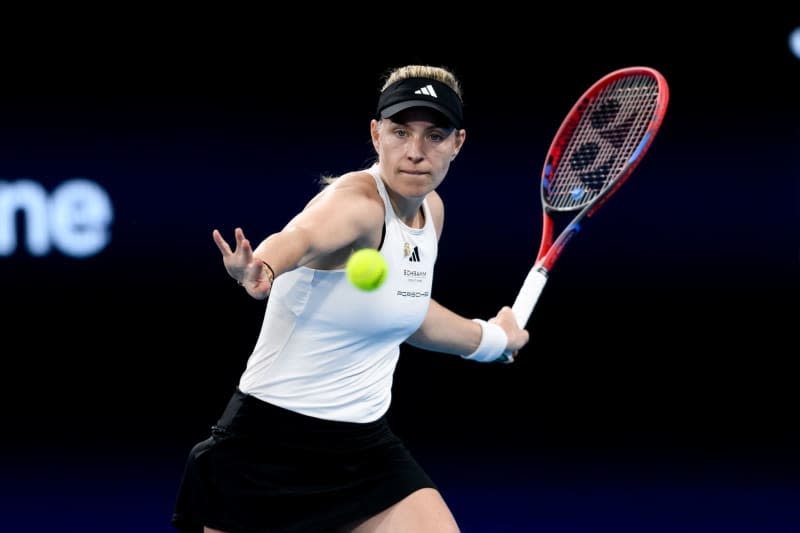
x: 417, y: 189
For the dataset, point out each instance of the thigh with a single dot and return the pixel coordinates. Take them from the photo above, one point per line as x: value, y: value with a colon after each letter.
x: 422, y: 511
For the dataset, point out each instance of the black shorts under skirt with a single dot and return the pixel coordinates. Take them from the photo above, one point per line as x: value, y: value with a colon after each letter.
x: 268, y: 469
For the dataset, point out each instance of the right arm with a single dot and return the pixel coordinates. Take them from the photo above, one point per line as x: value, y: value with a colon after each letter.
x: 445, y: 331
x: 344, y: 216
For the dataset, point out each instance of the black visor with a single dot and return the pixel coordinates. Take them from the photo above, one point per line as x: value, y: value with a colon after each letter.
x: 421, y: 92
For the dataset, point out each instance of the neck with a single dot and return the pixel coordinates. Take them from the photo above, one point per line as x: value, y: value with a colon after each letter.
x: 408, y: 210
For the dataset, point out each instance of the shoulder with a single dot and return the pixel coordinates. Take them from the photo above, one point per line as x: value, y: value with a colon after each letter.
x: 355, y: 189
x: 358, y: 185
x: 436, y: 206
x: 358, y: 181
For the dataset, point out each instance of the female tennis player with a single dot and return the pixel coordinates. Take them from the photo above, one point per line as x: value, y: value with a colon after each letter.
x: 304, y: 445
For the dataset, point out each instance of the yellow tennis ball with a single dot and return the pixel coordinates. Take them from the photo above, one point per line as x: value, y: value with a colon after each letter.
x: 367, y: 269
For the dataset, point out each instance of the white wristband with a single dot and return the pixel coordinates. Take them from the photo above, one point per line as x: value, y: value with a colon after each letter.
x: 493, y: 343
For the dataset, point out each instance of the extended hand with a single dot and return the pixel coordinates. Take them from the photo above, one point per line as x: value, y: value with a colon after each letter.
x: 243, y: 266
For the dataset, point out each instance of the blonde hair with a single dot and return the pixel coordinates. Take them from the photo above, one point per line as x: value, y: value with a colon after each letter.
x: 440, y: 74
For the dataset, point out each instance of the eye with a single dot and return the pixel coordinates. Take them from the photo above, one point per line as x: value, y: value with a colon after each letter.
x: 437, y: 137
x: 400, y: 132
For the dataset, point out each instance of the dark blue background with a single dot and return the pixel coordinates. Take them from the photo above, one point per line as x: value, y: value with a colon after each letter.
x: 658, y: 391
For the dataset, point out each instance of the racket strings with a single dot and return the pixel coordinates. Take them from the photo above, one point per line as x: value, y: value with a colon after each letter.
x: 609, y: 131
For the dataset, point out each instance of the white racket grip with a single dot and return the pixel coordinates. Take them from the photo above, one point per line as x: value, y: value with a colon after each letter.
x: 529, y: 295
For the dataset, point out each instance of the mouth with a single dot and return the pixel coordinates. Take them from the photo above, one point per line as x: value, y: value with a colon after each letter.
x: 413, y: 172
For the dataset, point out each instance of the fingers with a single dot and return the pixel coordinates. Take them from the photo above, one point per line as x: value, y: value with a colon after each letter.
x: 242, y: 244
x: 246, y: 252
x: 518, y: 337
x: 505, y: 313
x: 221, y: 243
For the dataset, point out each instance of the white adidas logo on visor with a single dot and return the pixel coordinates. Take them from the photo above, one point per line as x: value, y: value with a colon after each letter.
x: 428, y: 89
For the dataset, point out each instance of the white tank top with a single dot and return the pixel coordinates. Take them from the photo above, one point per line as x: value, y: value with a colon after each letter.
x: 327, y: 349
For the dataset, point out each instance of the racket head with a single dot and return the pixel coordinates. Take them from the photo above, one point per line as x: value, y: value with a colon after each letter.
x: 602, y: 139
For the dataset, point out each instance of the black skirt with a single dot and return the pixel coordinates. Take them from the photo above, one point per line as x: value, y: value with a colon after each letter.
x: 268, y: 469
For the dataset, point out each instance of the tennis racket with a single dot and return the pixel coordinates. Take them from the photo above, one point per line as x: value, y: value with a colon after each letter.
x: 597, y: 147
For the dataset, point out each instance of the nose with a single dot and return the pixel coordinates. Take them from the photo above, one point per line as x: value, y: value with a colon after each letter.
x: 414, y: 149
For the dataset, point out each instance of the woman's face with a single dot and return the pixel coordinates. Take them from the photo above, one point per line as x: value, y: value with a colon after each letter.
x: 414, y: 150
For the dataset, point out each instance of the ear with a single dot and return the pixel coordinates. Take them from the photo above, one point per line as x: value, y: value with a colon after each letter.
x: 461, y: 136
x: 375, y: 133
